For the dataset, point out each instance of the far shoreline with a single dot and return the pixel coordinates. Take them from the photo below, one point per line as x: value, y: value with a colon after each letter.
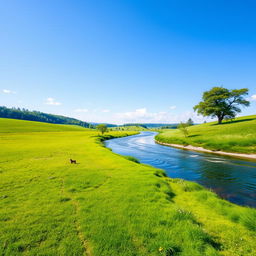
x: 201, y: 149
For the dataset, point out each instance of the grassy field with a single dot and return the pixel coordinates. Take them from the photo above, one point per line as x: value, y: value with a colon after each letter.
x: 236, y: 136
x: 105, y: 205
x: 18, y: 126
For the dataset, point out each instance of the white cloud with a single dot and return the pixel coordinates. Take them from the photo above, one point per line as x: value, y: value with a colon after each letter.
x: 173, y: 107
x: 138, y: 113
x: 105, y: 110
x: 8, y: 91
x: 81, y: 110
x: 51, y: 101
x: 143, y: 116
x: 253, y: 97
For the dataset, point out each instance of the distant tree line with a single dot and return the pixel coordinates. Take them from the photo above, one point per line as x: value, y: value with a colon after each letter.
x: 135, y: 124
x: 153, y: 125
x: 172, y: 126
x: 24, y: 114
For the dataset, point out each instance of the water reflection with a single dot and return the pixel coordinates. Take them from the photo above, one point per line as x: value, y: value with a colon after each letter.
x: 233, y: 179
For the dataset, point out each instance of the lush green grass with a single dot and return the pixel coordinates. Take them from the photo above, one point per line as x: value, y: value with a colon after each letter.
x: 106, y: 204
x: 236, y: 136
x: 18, y: 126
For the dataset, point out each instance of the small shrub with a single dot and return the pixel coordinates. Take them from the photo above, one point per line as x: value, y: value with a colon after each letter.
x: 183, y: 127
x: 160, y: 173
x: 133, y: 159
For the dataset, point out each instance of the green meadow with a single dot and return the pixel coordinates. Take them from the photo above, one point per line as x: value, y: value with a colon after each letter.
x: 238, y: 135
x: 107, y: 204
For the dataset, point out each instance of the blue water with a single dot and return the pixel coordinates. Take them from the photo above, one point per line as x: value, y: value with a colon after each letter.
x: 231, y: 178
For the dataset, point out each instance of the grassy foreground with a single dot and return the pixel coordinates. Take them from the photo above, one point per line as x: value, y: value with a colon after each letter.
x: 236, y: 136
x: 106, y: 204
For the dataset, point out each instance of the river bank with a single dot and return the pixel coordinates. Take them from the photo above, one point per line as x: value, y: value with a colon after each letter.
x: 210, y: 170
x: 201, y: 149
x: 235, y: 139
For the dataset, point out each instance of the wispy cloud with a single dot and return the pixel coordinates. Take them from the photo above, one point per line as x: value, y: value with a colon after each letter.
x: 52, y: 101
x: 172, y: 107
x: 6, y: 91
x: 81, y: 110
x: 253, y: 97
x: 105, y: 110
x: 142, y: 115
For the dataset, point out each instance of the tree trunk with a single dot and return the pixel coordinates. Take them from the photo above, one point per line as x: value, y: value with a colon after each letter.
x: 220, y: 118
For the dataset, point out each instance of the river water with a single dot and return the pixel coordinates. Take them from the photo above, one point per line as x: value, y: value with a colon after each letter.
x: 231, y: 178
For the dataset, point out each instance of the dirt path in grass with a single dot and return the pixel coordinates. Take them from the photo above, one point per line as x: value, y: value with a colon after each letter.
x: 200, y: 149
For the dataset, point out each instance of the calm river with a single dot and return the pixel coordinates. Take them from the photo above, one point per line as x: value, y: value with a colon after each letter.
x: 232, y: 179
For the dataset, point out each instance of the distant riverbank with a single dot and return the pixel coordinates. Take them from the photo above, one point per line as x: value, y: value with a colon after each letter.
x: 201, y: 149
x: 235, y: 138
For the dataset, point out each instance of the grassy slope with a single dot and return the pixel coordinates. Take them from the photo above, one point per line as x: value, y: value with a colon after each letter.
x: 17, y: 126
x: 237, y: 136
x: 105, y: 205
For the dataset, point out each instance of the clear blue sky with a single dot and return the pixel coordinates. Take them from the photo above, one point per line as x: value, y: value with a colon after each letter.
x: 127, y: 60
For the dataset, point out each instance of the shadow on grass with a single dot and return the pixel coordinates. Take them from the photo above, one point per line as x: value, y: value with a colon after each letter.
x: 194, y: 135
x: 170, y: 195
x: 235, y: 121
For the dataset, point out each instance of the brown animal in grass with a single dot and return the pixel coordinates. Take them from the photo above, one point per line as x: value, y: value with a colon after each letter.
x: 72, y: 161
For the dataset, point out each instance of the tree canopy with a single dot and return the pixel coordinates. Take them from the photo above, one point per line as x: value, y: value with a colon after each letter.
x: 183, y: 128
x: 190, y: 122
x: 102, y: 128
x: 222, y: 103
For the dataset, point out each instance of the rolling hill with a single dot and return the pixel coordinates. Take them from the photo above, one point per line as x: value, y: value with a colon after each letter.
x: 24, y: 114
x: 238, y: 135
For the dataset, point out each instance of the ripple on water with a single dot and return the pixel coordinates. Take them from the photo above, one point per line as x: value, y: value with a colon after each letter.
x: 232, y: 179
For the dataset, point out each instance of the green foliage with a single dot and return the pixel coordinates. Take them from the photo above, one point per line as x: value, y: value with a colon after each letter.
x: 238, y: 135
x: 183, y: 127
x: 190, y: 122
x: 24, y: 114
x: 105, y: 205
x: 222, y: 103
x: 102, y: 128
x: 133, y: 159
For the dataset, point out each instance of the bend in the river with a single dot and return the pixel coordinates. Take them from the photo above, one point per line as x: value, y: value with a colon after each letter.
x: 232, y: 179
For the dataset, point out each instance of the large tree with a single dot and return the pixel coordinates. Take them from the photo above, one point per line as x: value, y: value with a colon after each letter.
x: 222, y: 103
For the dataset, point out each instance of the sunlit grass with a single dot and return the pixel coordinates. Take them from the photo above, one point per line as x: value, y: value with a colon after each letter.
x: 105, y: 204
x: 237, y: 136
